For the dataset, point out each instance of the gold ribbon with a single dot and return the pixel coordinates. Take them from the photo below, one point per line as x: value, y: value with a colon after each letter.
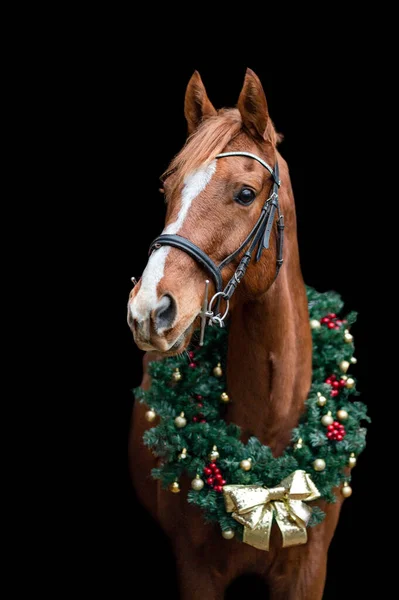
x: 254, y: 507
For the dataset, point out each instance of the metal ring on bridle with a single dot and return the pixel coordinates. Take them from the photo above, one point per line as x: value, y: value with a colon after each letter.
x: 227, y: 306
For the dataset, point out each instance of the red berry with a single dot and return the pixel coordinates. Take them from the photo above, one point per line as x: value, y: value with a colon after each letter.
x: 338, y: 322
x: 191, y: 354
x: 195, y: 419
x: 336, y: 424
x: 203, y: 421
x: 333, y: 377
x: 213, y: 465
x: 335, y: 384
x: 342, y: 383
x: 216, y: 471
x: 200, y: 405
x: 210, y: 481
x: 207, y: 471
x: 329, y: 381
x: 198, y: 396
x: 330, y: 428
x: 330, y: 435
x: 340, y: 437
x: 192, y: 365
x: 331, y: 325
x: 218, y: 488
x: 332, y: 315
x: 223, y: 482
x: 334, y: 393
x: 218, y: 477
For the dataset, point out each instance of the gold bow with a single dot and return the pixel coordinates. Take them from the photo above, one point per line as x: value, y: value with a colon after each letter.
x: 255, y: 505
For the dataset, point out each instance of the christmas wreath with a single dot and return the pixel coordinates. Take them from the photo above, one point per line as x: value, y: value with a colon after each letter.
x: 231, y: 479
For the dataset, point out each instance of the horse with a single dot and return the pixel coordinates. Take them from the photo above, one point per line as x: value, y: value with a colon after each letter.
x: 214, y: 203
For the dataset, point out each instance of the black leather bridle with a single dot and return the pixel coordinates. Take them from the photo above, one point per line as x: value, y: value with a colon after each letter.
x: 258, y: 237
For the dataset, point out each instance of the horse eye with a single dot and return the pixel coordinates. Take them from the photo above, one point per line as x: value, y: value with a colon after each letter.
x: 245, y: 196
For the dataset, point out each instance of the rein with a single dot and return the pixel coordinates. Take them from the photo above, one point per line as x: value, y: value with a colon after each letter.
x: 258, y: 237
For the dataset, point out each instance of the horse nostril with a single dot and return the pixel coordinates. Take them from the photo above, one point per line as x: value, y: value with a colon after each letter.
x: 165, y: 313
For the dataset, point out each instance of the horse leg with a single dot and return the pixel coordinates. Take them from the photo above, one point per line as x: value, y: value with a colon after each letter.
x: 299, y: 572
x: 198, y: 579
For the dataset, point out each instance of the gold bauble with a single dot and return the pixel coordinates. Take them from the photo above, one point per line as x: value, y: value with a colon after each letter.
x: 352, y: 461
x: 344, y: 377
x: 348, y: 338
x: 344, y: 365
x: 321, y: 400
x: 327, y: 419
x: 350, y: 383
x: 174, y: 487
x: 180, y: 421
x: 197, y: 484
x: 224, y: 397
x: 299, y: 444
x: 228, y: 534
x: 353, y: 360
x: 246, y: 464
x: 176, y: 375
x: 183, y: 454
x: 217, y: 371
x: 315, y: 324
x: 319, y: 464
x: 342, y: 414
x: 346, y: 490
x: 150, y: 415
x: 214, y: 454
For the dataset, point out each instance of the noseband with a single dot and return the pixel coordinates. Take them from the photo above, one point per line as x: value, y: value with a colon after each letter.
x: 258, y: 237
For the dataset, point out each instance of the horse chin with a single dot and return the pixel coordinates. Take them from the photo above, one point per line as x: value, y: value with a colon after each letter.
x: 182, y: 342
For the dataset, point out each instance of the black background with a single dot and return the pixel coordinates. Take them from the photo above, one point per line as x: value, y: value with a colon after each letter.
x: 320, y: 105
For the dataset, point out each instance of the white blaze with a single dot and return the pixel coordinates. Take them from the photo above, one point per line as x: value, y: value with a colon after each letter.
x: 147, y: 299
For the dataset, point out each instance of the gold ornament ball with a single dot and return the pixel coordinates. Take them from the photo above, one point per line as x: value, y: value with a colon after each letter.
x: 246, y: 464
x: 319, y: 464
x: 342, y: 415
x: 180, y: 421
x: 197, y: 484
x: 344, y: 377
x: 228, y: 534
x: 174, y: 487
x: 321, y: 400
x: 346, y: 490
x: 352, y: 461
x: 150, y: 415
x: 350, y: 383
x: 176, y: 375
x: 348, y: 338
x: 183, y: 454
x: 224, y: 397
x: 217, y: 371
x: 344, y: 365
x: 315, y: 324
x: 327, y: 419
x: 353, y: 360
x: 214, y: 454
x: 299, y: 444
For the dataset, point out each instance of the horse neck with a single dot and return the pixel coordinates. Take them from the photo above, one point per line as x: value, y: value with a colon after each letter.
x: 270, y: 350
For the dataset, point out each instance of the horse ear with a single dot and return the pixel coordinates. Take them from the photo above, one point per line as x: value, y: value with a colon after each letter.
x: 197, y: 106
x: 253, y: 106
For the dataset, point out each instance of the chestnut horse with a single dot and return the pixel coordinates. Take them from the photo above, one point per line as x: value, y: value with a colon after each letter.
x: 215, y: 204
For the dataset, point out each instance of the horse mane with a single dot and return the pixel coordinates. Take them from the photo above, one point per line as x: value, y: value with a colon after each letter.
x: 210, y: 139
